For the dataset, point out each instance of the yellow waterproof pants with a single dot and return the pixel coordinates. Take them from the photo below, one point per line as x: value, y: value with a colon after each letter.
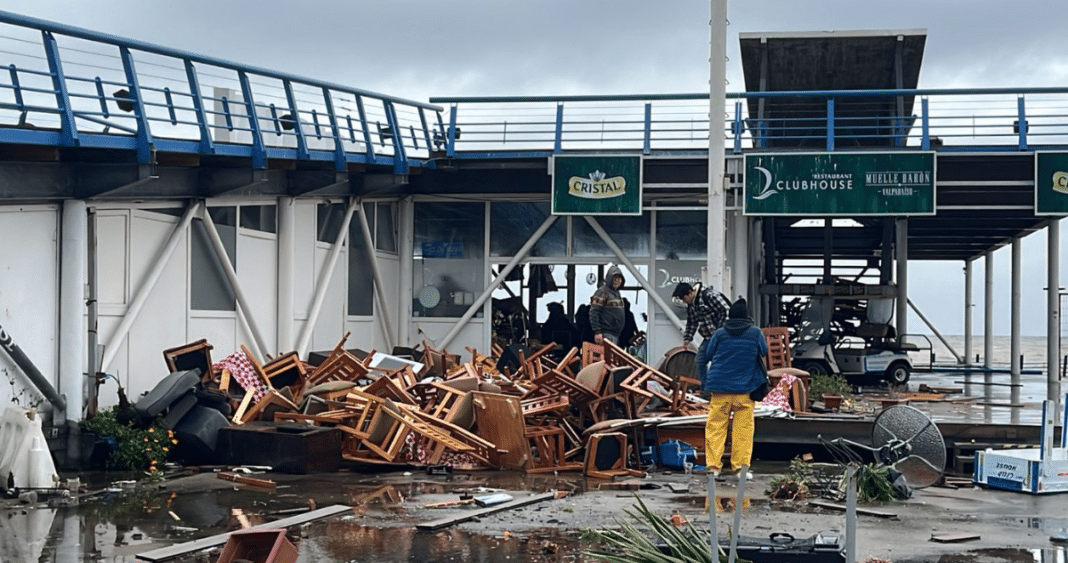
x: 720, y: 408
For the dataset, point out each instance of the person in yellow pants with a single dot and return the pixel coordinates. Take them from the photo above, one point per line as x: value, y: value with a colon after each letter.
x: 736, y: 348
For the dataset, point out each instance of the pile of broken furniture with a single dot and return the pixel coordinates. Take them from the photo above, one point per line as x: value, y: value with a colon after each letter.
x: 528, y: 412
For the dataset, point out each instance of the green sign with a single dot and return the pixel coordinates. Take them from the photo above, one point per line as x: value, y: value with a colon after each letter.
x: 1051, y: 183
x: 840, y: 184
x: 597, y: 185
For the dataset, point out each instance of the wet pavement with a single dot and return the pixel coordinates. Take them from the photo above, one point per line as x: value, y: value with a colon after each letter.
x: 116, y: 521
x: 116, y: 526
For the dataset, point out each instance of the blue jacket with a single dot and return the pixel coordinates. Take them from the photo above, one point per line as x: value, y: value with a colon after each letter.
x: 734, y: 349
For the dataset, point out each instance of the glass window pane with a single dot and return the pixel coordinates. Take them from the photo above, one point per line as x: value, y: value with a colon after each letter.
x: 259, y: 218
x: 209, y: 287
x: 385, y: 232
x: 448, y: 269
x: 361, y: 277
x: 681, y: 235
x: 630, y: 233
x: 512, y: 223
x: 330, y: 216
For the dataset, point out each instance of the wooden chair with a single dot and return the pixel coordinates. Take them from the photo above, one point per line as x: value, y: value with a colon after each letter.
x: 606, y: 456
x: 195, y: 355
x: 591, y: 353
x: 286, y: 371
x: 547, y: 445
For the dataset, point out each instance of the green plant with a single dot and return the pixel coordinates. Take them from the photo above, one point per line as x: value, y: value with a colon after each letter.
x: 139, y: 449
x: 873, y: 484
x: 631, y: 544
x: 793, y: 485
x: 819, y: 383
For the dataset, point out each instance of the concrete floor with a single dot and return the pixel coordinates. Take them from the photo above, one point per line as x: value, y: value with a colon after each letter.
x: 117, y: 526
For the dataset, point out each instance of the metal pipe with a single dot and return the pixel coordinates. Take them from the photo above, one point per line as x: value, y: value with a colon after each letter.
x: 851, y: 514
x: 74, y: 250
x: 634, y: 272
x: 287, y: 236
x: 91, y: 302
x: 1053, y: 317
x: 519, y: 256
x: 243, y: 308
x: 23, y: 362
x: 713, y: 530
x: 1014, y: 323
x: 164, y: 254
x: 743, y: 476
x: 323, y: 283
x: 376, y: 273
x: 717, y: 83
x: 931, y: 326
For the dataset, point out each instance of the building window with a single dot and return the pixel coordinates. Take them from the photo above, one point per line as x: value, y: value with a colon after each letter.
x: 512, y: 224
x: 449, y: 258
x: 209, y: 287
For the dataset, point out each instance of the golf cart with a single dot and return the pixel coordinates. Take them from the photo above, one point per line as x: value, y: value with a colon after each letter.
x: 865, y: 350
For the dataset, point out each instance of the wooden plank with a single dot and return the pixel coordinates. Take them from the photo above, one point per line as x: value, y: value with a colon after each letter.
x: 954, y: 538
x: 864, y: 511
x: 445, y: 522
x: 171, y: 552
x: 499, y: 419
x: 246, y: 480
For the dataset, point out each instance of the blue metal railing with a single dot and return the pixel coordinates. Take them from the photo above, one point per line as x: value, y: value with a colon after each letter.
x: 946, y: 119
x: 196, y: 104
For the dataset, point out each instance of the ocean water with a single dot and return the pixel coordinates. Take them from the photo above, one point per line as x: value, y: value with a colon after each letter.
x: 1032, y: 351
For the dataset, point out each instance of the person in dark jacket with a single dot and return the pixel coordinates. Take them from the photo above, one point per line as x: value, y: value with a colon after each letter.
x: 706, y: 310
x: 736, y: 349
x: 606, y: 308
x: 558, y: 328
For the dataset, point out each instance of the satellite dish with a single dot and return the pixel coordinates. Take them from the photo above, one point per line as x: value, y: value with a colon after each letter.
x: 903, y: 438
x: 907, y: 440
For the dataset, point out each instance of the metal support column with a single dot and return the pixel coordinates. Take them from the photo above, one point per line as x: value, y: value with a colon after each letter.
x: 968, y: 277
x: 145, y: 289
x: 716, y: 144
x: 648, y: 287
x: 74, y: 251
x: 740, y: 259
x: 902, y: 255
x: 287, y: 242
x: 519, y: 257
x: 380, y: 287
x: 406, y: 234
x: 323, y: 283
x: 988, y: 312
x: 1053, y: 314
x: 1014, y: 324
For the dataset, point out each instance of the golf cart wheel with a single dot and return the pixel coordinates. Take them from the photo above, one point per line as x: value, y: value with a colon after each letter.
x: 814, y: 367
x: 898, y: 373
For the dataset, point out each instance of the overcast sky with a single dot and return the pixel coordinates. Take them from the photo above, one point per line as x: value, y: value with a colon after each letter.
x: 419, y: 49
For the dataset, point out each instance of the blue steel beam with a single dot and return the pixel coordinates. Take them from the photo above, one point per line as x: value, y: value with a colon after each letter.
x: 68, y: 129
x: 144, y: 133
x: 340, y: 164
x: 298, y: 129
x: 259, y: 155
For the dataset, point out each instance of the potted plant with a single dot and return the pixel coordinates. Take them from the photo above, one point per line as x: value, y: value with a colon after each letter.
x: 832, y: 388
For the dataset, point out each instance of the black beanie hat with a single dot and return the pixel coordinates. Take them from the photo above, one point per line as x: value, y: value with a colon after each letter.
x: 738, y: 310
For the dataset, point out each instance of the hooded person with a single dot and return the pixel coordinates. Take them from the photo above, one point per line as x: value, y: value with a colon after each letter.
x: 607, y: 314
x: 736, y: 350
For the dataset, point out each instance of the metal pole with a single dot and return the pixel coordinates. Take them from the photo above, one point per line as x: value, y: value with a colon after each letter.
x: 969, y: 272
x: 743, y: 476
x: 902, y: 256
x: 177, y: 235
x: 91, y: 302
x: 851, y: 515
x: 1053, y: 320
x: 24, y: 363
x: 243, y: 308
x: 634, y: 272
x: 717, y: 83
x: 519, y: 256
x: 380, y: 287
x: 287, y: 236
x: 713, y: 503
x: 323, y: 282
x: 406, y: 234
x: 1014, y: 339
x: 74, y: 250
x: 988, y: 313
